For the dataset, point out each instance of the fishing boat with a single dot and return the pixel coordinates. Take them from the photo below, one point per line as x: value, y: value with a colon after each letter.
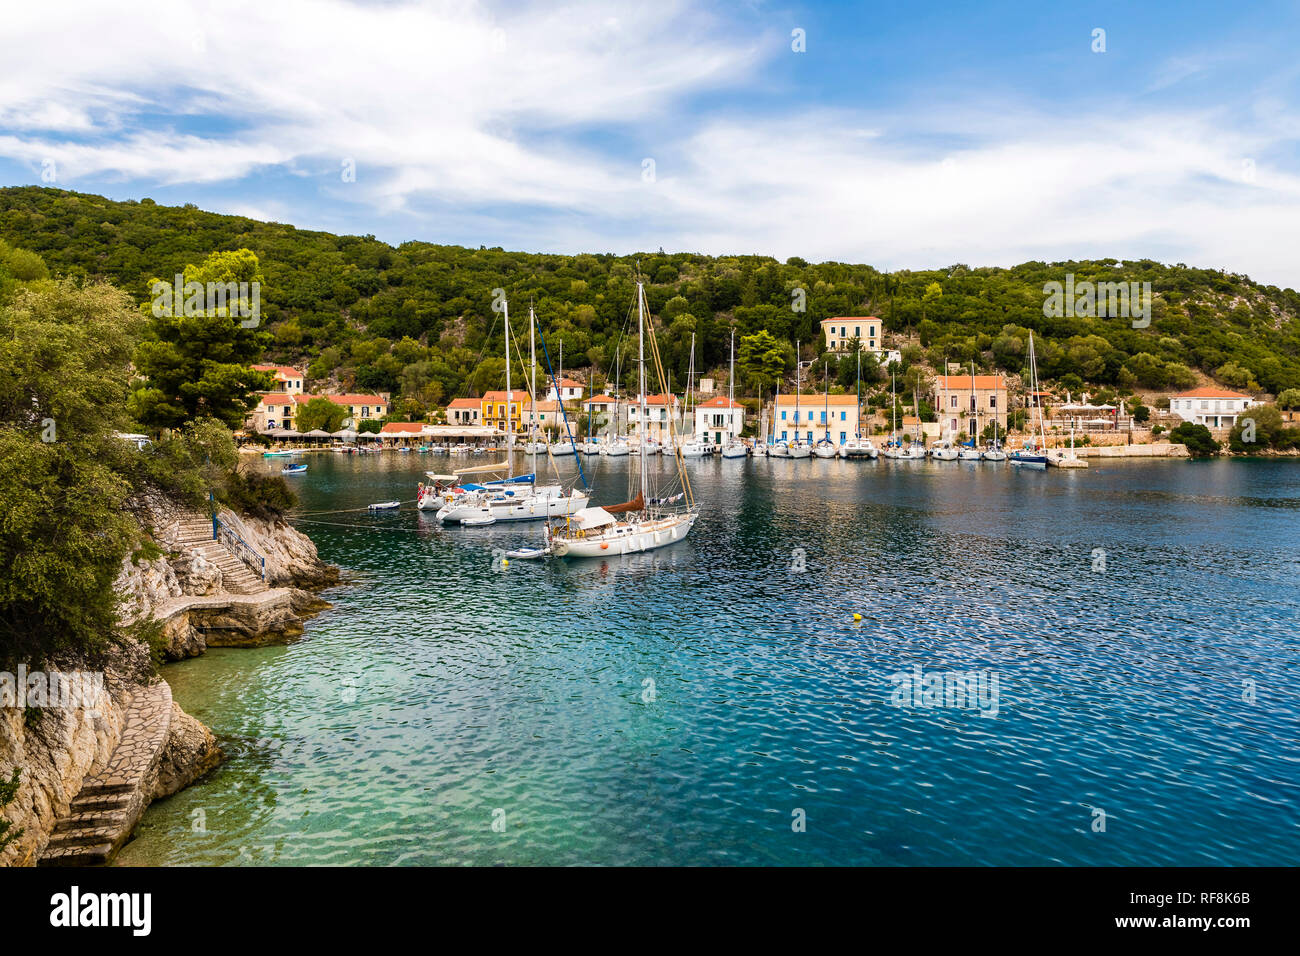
x: 734, y: 447
x: 647, y: 521
x: 1033, y: 453
x: 293, y: 469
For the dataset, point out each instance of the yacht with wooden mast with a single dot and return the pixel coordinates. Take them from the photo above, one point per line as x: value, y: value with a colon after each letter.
x: 653, y: 517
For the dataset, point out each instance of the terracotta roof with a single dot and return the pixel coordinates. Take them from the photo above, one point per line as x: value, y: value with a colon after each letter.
x: 282, y: 369
x: 542, y: 407
x: 275, y: 398
x: 600, y: 400
x: 655, y: 400
x: 1210, y: 391
x: 851, y: 318
x: 343, y: 399
x: 402, y: 428
x: 985, y: 382
x: 500, y: 395
x: 814, y: 399
x: 473, y: 403
x: 720, y: 402
x: 570, y: 383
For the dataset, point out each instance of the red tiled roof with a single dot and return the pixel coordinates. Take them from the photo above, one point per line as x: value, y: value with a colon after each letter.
x: 851, y: 318
x: 343, y: 399
x: 276, y: 398
x: 720, y: 402
x: 813, y: 399
x: 656, y: 400
x: 465, y: 403
x: 985, y: 382
x: 1210, y: 391
x: 500, y: 395
x: 570, y: 383
x: 600, y: 400
x: 282, y: 369
x: 402, y: 428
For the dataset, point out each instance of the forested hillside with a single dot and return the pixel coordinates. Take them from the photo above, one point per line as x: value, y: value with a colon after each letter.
x: 417, y: 319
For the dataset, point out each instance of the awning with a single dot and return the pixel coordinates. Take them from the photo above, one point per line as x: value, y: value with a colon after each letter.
x: 589, y: 518
x: 318, y: 433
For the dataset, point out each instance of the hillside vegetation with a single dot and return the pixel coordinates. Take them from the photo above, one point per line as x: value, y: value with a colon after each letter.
x: 417, y: 319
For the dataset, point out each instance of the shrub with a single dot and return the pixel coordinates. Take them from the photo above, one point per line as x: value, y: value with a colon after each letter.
x: 266, y: 496
x: 1197, y: 438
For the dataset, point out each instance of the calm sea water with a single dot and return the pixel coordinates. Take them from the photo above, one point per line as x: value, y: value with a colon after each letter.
x: 693, y: 705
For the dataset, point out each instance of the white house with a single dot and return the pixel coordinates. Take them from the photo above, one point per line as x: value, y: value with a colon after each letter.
x: 289, y: 381
x: 569, y: 391
x: 659, y: 422
x: 719, y: 420
x: 1212, y: 407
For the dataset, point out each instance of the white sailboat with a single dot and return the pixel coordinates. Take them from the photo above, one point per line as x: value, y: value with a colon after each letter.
x: 856, y: 446
x: 1031, y: 456
x: 536, y: 443
x: 697, y: 446
x: 645, y: 522
x: 734, y: 448
x: 893, y: 448
x: 970, y: 450
x: 915, y: 449
x: 825, y: 448
x: 797, y: 448
x: 513, y: 498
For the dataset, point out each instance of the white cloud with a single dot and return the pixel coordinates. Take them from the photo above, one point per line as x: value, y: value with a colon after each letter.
x: 503, y: 118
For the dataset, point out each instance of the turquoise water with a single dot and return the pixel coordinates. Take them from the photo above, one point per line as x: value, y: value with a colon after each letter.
x: 441, y: 694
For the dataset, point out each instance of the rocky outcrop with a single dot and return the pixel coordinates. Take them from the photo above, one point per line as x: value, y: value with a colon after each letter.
x: 291, y: 558
x: 190, y: 751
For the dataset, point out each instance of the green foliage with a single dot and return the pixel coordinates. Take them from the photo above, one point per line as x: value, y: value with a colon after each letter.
x: 266, y: 496
x: 1289, y: 399
x: 320, y: 413
x: 761, y: 359
x: 1264, y: 427
x: 417, y: 318
x: 64, y: 351
x: 197, y: 365
x: 1197, y: 438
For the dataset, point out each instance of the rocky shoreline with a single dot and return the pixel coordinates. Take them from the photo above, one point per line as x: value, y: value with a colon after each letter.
x: 88, y: 772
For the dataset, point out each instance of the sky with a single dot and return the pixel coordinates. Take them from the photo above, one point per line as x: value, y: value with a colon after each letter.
x: 903, y: 135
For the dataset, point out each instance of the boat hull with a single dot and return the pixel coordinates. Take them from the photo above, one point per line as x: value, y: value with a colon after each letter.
x: 626, y: 538
x: 530, y: 508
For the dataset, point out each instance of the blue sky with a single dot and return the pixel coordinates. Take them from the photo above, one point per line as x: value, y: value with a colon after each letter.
x: 907, y: 135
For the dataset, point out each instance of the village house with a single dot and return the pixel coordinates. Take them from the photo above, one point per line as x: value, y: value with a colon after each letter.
x: 660, y: 417
x: 547, y: 415
x: 719, y: 420
x: 814, y: 417
x: 1212, y: 407
x: 569, y: 391
x: 289, y: 381
x: 962, y: 401
x: 841, y: 330
x: 280, y: 409
x: 464, y: 411
x: 498, y: 407
x: 601, y: 410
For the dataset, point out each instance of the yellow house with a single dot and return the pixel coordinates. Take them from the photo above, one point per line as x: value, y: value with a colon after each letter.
x: 843, y: 329
x: 495, y: 412
x: 814, y: 417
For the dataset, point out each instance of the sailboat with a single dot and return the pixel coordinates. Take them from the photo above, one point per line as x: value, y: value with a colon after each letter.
x: 893, y: 448
x: 825, y: 448
x: 969, y: 449
x: 616, y: 445
x: 797, y: 448
x: 943, y: 449
x: 1032, y: 456
x: 734, y: 448
x: 855, y: 446
x: 536, y: 443
x: 645, y: 522
x: 915, y: 449
x: 513, y: 498
x: 696, y: 446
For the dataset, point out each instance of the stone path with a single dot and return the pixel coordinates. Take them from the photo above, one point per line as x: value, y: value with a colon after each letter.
x: 196, y: 536
x: 104, y: 812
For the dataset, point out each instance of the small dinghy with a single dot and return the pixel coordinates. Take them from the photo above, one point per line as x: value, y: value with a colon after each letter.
x: 293, y: 469
x: 384, y: 506
x: 529, y: 554
x: 480, y: 522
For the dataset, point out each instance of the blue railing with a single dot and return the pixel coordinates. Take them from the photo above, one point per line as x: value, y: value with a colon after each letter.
x: 239, y: 547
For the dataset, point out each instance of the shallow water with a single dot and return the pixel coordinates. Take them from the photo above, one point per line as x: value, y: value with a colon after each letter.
x: 440, y: 694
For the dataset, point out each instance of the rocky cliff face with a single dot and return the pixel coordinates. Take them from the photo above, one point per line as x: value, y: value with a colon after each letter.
x: 56, y: 750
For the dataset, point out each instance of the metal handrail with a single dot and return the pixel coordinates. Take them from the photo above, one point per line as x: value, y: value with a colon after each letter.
x: 239, y: 547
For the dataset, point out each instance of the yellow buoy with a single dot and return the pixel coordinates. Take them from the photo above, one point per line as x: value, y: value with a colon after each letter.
x: 857, y: 617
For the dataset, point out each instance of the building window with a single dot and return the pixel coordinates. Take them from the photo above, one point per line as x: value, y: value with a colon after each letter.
x: 993, y: 401
x: 857, y: 331
x: 843, y: 436
x: 952, y: 403
x: 844, y: 416
x: 783, y: 438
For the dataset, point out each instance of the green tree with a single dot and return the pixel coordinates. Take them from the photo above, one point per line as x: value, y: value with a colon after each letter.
x: 195, y: 358
x: 1200, y: 443
x: 1289, y: 399
x: 320, y: 413
x: 761, y: 358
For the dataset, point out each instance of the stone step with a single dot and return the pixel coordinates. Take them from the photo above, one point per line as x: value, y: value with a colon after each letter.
x: 89, y: 855
x: 105, y: 789
x: 80, y: 837
x: 89, y: 804
x: 90, y: 820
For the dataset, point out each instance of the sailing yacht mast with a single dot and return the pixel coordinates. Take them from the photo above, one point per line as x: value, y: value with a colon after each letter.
x: 731, y: 387
x: 640, y: 348
x: 798, y: 386
x: 510, y: 431
x: 532, y: 404
x: 826, y: 404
